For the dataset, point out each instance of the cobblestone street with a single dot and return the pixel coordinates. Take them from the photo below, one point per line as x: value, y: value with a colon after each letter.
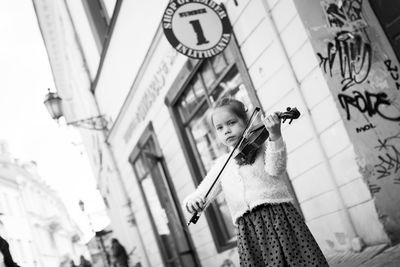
x: 376, y: 256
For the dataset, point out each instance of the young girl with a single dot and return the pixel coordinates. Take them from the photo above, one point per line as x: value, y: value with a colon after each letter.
x: 270, y: 230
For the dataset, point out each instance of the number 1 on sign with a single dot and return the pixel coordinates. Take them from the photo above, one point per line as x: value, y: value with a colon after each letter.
x: 201, y: 39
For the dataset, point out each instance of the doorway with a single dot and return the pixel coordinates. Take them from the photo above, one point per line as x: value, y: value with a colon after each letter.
x: 161, y: 202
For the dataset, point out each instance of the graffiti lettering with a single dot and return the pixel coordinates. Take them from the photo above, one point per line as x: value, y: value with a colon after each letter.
x: 341, y: 15
x: 353, y: 9
x: 373, y: 188
x: 389, y: 161
x: 335, y: 16
x: 370, y: 103
x: 365, y: 128
x: 394, y: 72
x: 354, y: 58
x: 385, y: 144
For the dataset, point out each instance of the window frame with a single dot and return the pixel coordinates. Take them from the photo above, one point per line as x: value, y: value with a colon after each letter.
x: 99, y: 20
x: 185, y: 76
x: 106, y: 44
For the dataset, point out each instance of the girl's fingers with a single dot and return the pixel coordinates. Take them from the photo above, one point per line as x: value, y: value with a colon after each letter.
x: 269, y: 121
x: 195, y: 205
x: 189, y: 207
x: 272, y: 119
x: 276, y: 119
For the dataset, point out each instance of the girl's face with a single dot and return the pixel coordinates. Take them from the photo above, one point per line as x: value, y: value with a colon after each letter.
x: 228, y: 126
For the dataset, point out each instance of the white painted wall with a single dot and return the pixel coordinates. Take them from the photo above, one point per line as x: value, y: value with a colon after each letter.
x: 312, y: 161
x: 134, y: 30
x: 276, y: 89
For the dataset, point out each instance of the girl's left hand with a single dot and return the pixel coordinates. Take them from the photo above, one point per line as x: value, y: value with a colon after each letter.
x: 273, y: 125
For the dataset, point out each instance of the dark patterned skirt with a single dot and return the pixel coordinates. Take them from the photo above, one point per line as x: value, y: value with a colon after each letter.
x: 276, y: 235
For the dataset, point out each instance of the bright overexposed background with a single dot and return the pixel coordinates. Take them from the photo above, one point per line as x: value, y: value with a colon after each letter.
x: 25, y: 124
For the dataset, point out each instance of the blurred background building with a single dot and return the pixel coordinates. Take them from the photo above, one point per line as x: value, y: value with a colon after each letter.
x: 33, y: 218
x: 140, y: 107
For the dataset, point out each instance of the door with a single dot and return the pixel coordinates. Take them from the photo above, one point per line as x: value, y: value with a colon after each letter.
x: 161, y: 203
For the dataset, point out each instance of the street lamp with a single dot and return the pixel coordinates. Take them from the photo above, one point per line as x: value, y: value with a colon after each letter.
x: 53, y: 103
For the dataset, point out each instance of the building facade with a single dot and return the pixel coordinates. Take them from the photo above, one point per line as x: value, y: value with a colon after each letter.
x: 33, y: 218
x: 336, y: 61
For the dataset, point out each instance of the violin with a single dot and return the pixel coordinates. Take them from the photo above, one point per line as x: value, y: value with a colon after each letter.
x: 258, y: 134
x: 250, y: 142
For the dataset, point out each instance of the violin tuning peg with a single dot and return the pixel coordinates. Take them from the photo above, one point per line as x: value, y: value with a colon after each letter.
x: 290, y: 121
x: 284, y: 119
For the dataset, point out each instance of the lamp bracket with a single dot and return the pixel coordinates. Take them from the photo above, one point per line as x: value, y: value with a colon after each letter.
x: 98, y: 123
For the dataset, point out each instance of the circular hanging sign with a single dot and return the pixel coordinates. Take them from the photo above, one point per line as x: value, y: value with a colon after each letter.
x: 196, y: 28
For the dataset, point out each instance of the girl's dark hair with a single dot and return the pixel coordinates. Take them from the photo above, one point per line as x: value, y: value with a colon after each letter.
x: 235, y: 106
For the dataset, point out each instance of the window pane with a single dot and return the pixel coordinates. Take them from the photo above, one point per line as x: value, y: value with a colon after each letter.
x: 198, y: 89
x: 205, y: 139
x: 192, y: 97
x: 140, y: 167
x: 218, y: 64
x: 230, y: 58
x: 233, y: 86
x: 207, y: 74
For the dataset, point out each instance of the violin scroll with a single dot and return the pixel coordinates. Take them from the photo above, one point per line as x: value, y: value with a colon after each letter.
x: 258, y: 134
x: 290, y: 113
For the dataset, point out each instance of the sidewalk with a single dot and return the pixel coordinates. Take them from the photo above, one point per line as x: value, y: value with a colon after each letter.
x: 376, y: 256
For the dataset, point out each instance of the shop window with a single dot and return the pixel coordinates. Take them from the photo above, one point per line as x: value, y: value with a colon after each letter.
x: 223, y: 75
x: 98, y: 19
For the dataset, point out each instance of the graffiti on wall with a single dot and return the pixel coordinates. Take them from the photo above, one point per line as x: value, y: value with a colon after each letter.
x: 367, y: 103
x: 365, y: 128
x: 352, y: 55
x: 350, y: 48
x: 347, y: 58
x: 394, y: 72
x: 373, y: 188
x: 342, y: 14
x: 389, y: 159
x: 387, y: 163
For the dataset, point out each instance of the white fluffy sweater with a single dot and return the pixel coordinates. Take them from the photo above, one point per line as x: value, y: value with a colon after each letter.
x: 248, y: 186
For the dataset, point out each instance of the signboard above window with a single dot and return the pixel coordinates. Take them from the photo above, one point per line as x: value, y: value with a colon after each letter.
x: 197, y: 28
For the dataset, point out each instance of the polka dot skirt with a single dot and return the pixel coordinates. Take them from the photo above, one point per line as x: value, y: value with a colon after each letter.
x: 276, y: 235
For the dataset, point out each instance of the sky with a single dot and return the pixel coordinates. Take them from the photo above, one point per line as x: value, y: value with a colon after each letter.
x: 27, y: 127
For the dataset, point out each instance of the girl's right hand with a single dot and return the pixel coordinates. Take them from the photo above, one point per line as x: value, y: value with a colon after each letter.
x: 195, y: 204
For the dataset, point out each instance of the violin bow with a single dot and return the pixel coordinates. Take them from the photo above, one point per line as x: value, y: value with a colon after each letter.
x: 196, y: 215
